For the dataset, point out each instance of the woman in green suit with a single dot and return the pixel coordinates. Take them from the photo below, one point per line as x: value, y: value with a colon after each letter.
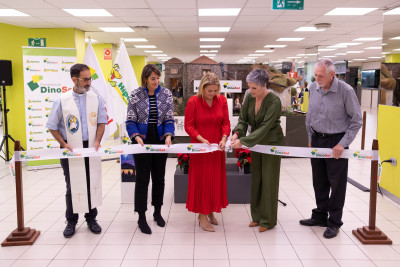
x: 261, y: 110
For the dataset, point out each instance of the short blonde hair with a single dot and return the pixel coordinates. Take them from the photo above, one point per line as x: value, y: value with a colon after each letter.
x: 208, y: 79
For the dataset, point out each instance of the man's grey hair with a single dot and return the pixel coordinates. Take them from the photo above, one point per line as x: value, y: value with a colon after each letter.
x: 328, y: 63
x: 259, y: 77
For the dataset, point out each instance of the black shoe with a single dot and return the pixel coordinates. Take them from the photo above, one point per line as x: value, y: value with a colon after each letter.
x: 312, y: 222
x: 94, y: 227
x: 331, y: 232
x: 69, y: 229
x: 159, y: 219
x: 144, y: 227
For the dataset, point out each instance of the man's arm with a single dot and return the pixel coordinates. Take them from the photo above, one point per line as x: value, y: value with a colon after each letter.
x: 56, y: 134
x: 99, y: 134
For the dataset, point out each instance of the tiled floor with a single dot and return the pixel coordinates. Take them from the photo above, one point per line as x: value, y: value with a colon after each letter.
x: 182, y: 242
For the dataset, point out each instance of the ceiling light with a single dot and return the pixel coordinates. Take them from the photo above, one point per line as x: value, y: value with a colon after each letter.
x: 264, y: 51
x: 256, y: 55
x: 12, y: 13
x: 275, y: 46
x: 359, y: 59
x: 384, y: 43
x: 337, y: 46
x: 347, y: 44
x: 329, y: 56
x: 208, y: 51
x: 88, y: 12
x: 374, y: 47
x: 145, y: 46
x: 349, y: 11
x: 385, y: 53
x: 214, y: 29
x: 395, y: 38
x: 208, y: 55
x: 212, y: 39
x: 395, y: 11
x: 159, y: 55
x: 313, y: 54
x: 210, y: 46
x: 300, y: 55
x: 135, y: 40
x: 398, y: 49
x: 289, y: 39
x: 116, y: 29
x: 164, y: 58
x: 374, y: 57
x: 368, y: 39
x: 309, y: 29
x: 293, y: 57
x: 250, y: 57
x: 218, y: 11
x: 153, y: 51
x: 92, y: 40
x: 326, y: 49
x: 354, y: 52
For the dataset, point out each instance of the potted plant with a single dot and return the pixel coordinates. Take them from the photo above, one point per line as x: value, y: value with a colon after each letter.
x: 244, y: 159
x: 183, y: 162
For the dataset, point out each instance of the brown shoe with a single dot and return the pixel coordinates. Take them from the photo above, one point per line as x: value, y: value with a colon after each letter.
x: 262, y: 229
x: 212, y: 219
x: 253, y: 224
x: 205, y: 224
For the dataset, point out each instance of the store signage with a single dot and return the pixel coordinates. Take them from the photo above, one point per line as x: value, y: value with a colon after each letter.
x: 288, y: 4
x: 107, y: 54
x: 293, y: 74
x: 227, y: 86
x: 37, y: 42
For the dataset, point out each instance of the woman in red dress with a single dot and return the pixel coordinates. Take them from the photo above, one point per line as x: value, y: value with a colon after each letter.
x: 207, y: 121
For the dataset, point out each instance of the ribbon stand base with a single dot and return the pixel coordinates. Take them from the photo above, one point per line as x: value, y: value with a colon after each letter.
x: 369, y: 236
x: 21, y: 236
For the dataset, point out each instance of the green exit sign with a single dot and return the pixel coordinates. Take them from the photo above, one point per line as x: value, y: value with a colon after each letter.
x: 37, y: 42
x: 288, y: 4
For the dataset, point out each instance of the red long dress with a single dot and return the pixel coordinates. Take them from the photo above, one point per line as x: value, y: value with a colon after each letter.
x: 207, y: 173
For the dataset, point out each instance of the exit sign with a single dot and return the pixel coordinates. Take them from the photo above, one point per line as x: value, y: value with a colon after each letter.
x: 37, y: 42
x: 288, y: 4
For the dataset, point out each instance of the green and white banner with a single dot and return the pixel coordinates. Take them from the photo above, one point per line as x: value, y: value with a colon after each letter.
x: 46, y: 76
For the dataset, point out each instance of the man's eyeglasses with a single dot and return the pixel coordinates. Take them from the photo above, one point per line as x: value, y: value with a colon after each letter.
x: 86, y: 79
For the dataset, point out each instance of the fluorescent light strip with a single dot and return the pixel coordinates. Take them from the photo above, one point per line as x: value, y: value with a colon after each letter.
x: 275, y: 46
x: 359, y: 59
x: 218, y: 12
x: 349, y: 11
x: 153, y: 51
x: 116, y: 29
x: 375, y: 57
x: 208, y: 55
x: 395, y: 11
x: 214, y: 29
x: 210, y: 46
x: 374, y: 47
x: 398, y: 49
x: 326, y: 49
x: 159, y: 55
x: 329, y: 56
x: 256, y: 55
x: 264, y: 51
x: 250, y: 57
x: 347, y: 44
x: 12, y: 13
x: 135, y: 40
x: 284, y: 39
x: 88, y: 12
x: 212, y: 39
x: 354, y: 52
x: 368, y: 39
x: 395, y: 38
x: 208, y: 51
x: 145, y: 46
x: 293, y: 57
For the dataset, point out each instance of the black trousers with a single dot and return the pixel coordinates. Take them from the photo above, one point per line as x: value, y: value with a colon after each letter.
x: 69, y: 215
x: 330, y: 182
x: 147, y: 164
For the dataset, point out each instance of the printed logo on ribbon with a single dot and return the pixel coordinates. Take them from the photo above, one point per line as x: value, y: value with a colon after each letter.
x: 190, y: 148
x: 357, y: 155
x: 72, y: 124
x: 113, y: 151
x: 68, y: 153
x: 26, y: 156
x: 150, y: 148
x: 126, y: 140
x: 320, y: 155
x: 279, y: 152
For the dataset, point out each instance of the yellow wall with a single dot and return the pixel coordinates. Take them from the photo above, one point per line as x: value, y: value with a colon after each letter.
x: 10, y: 49
x: 388, y: 135
x: 138, y: 62
x: 392, y: 58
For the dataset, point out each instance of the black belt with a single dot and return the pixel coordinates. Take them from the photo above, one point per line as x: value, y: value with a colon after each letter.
x: 326, y: 134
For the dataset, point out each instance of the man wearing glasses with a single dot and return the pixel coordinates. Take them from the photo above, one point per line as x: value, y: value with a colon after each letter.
x: 77, y: 120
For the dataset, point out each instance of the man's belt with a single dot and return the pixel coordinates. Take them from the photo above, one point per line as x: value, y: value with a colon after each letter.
x: 326, y: 134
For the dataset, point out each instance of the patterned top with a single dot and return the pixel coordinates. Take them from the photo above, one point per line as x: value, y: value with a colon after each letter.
x: 153, y: 110
x: 334, y: 111
x: 138, y: 113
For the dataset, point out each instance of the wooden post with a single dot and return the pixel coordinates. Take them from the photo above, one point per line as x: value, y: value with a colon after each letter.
x: 22, y: 235
x: 363, y: 130
x: 371, y: 235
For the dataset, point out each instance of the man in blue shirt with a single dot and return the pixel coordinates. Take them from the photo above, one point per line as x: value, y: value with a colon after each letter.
x: 81, y: 77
